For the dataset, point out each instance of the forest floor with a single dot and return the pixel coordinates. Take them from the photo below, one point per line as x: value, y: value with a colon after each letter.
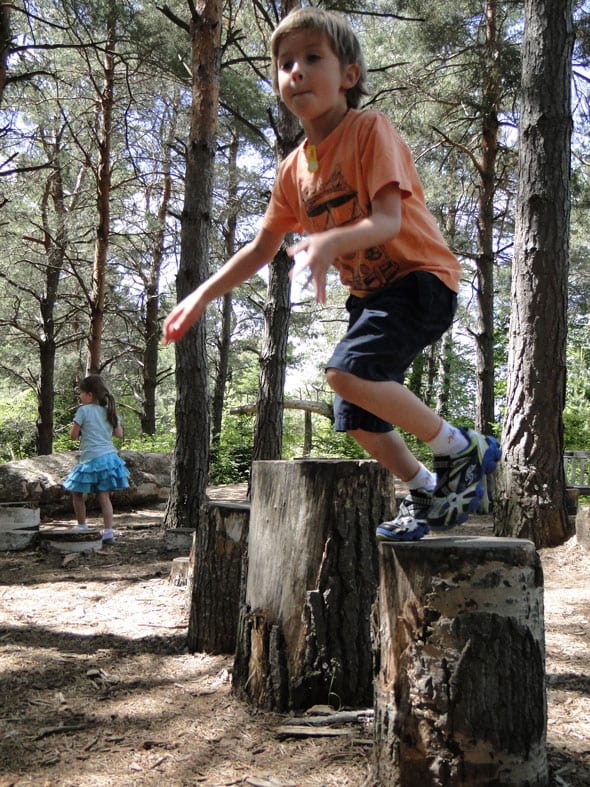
x: 97, y: 687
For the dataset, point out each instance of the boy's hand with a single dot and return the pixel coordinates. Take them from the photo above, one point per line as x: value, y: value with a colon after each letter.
x: 314, y: 255
x: 182, y: 317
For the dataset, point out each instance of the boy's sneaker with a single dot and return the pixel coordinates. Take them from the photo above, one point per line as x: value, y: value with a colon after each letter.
x: 411, y: 523
x: 80, y: 528
x: 108, y: 537
x: 459, y: 486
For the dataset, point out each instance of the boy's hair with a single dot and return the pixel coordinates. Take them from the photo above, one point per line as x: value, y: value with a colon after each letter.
x: 341, y: 36
x: 94, y: 385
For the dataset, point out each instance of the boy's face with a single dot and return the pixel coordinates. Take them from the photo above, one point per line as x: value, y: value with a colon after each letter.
x: 311, y: 80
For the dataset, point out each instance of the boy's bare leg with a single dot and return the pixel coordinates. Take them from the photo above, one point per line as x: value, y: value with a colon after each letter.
x: 390, y: 450
x: 104, y: 499
x: 388, y: 400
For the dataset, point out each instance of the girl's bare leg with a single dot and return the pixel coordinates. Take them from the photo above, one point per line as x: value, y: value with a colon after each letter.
x: 104, y: 499
x: 79, y: 505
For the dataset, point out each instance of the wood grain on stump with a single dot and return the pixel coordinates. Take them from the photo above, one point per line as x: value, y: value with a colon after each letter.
x: 460, y: 695
x: 305, y: 628
x: 215, y: 577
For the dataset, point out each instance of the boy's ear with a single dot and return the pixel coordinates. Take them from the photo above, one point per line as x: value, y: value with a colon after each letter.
x: 351, y: 75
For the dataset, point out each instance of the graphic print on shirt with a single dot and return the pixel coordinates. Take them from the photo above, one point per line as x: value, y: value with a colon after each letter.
x: 334, y: 203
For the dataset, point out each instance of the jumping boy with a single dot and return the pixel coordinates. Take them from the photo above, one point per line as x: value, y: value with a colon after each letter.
x: 353, y: 188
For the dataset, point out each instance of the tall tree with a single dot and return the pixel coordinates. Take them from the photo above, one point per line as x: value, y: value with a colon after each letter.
x: 191, y: 453
x: 5, y: 36
x: 461, y: 79
x: 224, y: 338
x: 152, y: 277
x: 532, y: 487
x: 105, y: 96
x: 268, y: 435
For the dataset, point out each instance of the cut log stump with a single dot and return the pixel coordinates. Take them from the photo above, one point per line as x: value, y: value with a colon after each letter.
x: 215, y: 577
x: 304, y: 634
x: 19, y: 526
x: 460, y: 694
x: 583, y: 527
x: 179, y: 572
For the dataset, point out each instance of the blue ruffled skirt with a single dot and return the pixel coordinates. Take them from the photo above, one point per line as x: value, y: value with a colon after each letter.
x: 107, y: 473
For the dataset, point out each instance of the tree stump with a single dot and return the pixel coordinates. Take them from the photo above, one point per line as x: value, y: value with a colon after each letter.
x: 304, y: 635
x: 215, y: 577
x: 460, y: 695
x: 583, y: 527
x: 179, y: 572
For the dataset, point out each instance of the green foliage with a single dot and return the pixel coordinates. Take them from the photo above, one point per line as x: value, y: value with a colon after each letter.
x: 18, y: 413
x: 576, y: 416
x: 160, y: 443
x: 231, y: 456
x: 427, y: 76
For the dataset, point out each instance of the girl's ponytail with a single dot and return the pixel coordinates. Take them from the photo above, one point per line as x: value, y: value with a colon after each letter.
x: 93, y: 384
x: 111, y: 409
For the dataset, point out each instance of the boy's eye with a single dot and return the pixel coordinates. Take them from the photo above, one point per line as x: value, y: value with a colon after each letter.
x: 287, y: 65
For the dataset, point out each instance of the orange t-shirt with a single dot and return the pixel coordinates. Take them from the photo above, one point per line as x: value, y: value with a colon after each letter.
x: 363, y: 154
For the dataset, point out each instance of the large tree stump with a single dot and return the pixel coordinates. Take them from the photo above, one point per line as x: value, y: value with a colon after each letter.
x: 583, y: 527
x: 305, y: 628
x: 460, y: 696
x: 215, y: 577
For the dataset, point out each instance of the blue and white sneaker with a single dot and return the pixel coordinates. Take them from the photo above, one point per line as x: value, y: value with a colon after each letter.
x: 460, y: 477
x: 411, y: 523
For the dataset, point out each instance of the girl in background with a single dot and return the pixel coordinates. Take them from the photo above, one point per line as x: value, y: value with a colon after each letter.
x: 100, y: 470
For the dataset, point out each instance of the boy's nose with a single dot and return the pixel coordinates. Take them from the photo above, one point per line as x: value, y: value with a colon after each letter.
x: 297, y: 71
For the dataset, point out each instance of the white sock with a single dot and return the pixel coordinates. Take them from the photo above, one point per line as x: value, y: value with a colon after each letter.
x: 449, y: 440
x: 108, y: 533
x: 423, y: 479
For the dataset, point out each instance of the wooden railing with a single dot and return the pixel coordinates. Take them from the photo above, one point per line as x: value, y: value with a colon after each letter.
x: 577, y: 470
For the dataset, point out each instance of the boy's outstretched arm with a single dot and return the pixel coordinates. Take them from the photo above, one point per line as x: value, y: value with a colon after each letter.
x: 236, y: 270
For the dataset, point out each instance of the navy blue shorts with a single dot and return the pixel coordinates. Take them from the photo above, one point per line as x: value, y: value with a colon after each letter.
x: 386, y: 331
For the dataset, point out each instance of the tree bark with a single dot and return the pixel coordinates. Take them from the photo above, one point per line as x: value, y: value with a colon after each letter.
x: 531, y: 485
x: 217, y: 560
x: 103, y: 197
x: 224, y: 341
x: 55, y: 243
x: 152, y: 284
x: 268, y: 430
x: 460, y: 694
x: 5, y: 42
x: 191, y: 454
x: 304, y: 634
x: 485, y: 222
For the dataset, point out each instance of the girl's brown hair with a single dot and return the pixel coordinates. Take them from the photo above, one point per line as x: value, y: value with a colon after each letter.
x: 341, y: 36
x: 94, y: 385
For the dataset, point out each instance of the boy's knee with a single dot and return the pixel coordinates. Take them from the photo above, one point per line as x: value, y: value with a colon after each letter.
x: 334, y: 378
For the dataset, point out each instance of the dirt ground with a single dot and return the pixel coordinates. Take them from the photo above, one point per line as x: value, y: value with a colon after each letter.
x: 97, y: 687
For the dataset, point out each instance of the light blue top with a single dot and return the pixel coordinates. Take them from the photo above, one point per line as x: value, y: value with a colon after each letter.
x: 96, y: 433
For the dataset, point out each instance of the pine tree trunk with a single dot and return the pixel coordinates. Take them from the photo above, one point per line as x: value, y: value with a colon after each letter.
x: 460, y: 694
x: 268, y: 431
x: 191, y: 454
x: 103, y: 196
x: 531, y: 484
x: 152, y: 288
x: 304, y: 635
